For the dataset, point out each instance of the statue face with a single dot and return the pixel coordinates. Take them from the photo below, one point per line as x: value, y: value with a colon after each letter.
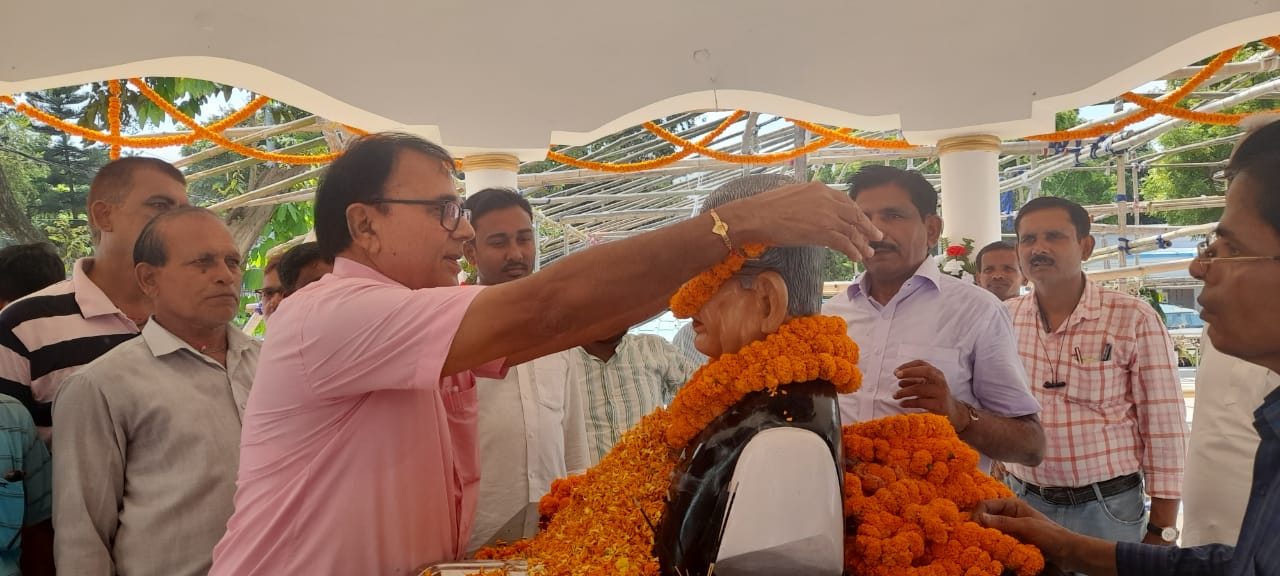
x: 738, y: 315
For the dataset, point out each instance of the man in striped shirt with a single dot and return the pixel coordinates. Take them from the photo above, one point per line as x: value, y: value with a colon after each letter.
x: 622, y: 379
x: 49, y: 334
x: 1102, y: 366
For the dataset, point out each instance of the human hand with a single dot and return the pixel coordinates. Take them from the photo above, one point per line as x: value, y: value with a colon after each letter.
x: 924, y: 386
x: 1061, y: 547
x: 805, y: 214
x: 998, y: 471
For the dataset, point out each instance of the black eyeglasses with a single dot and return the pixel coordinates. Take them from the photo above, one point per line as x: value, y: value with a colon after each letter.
x: 265, y: 293
x: 1205, y: 255
x: 451, y: 210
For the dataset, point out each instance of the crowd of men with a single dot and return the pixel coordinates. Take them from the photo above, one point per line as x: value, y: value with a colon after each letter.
x: 392, y: 418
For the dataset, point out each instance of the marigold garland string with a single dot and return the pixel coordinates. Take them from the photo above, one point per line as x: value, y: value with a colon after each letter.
x: 1166, y: 105
x: 647, y: 164
x: 1173, y: 97
x: 842, y: 135
x: 113, y: 115
x: 770, y: 158
x: 133, y: 141
x: 220, y: 140
x: 1182, y: 113
x: 802, y: 350
x: 698, y: 291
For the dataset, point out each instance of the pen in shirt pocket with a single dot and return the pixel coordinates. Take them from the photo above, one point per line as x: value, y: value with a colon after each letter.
x: 1106, y: 352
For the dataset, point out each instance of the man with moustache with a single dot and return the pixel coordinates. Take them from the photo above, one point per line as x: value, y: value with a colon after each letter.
x: 1102, y: 366
x: 531, y: 428
x: 1240, y: 267
x: 929, y: 341
x: 148, y: 440
x: 997, y: 265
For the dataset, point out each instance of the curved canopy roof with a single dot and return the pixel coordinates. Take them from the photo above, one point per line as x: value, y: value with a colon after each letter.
x: 517, y: 76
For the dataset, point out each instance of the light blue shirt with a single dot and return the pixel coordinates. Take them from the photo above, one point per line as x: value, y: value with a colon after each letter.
x: 959, y: 328
x: 26, y: 495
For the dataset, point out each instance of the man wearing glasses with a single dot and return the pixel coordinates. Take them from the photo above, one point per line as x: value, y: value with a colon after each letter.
x: 1240, y: 272
x: 271, y: 293
x: 1102, y: 365
x: 358, y: 454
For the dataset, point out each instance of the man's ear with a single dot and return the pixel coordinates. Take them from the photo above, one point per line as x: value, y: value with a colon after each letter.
x: 1086, y: 247
x: 360, y: 226
x: 771, y: 289
x: 100, y: 215
x: 933, y: 228
x: 146, y: 276
x: 469, y: 251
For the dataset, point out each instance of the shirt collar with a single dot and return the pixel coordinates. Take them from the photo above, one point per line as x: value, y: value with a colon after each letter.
x: 92, y: 300
x: 1088, y: 308
x: 163, y: 342
x: 928, y: 270
x: 348, y: 268
x: 1269, y: 413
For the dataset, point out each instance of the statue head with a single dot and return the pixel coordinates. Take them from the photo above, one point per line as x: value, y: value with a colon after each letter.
x: 782, y: 283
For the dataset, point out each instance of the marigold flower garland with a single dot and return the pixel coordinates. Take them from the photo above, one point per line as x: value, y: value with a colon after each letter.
x: 600, y: 521
x: 802, y: 350
x: 910, y: 485
x: 698, y: 291
x: 113, y: 115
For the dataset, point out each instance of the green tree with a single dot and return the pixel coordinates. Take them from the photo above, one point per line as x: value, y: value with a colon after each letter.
x: 137, y: 112
x: 1195, y: 181
x: 22, y: 178
x: 72, y: 165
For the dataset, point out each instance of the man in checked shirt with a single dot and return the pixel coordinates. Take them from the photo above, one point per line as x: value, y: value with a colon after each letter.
x: 1102, y: 366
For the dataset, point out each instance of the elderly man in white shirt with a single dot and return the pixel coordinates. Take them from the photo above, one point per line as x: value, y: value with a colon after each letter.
x: 1219, y: 470
x: 532, y: 432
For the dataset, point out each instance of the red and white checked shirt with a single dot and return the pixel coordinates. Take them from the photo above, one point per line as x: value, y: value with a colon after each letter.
x: 1116, y: 416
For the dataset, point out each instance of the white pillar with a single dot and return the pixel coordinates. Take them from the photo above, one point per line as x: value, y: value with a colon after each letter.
x: 490, y: 171
x: 970, y: 189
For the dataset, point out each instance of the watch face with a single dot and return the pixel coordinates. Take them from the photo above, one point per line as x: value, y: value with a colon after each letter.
x: 1169, y: 534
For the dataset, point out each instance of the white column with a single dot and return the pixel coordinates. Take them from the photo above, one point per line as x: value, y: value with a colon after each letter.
x: 970, y: 189
x: 490, y: 171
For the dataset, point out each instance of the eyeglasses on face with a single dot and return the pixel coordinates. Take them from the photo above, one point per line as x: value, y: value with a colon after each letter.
x: 1206, y: 254
x: 451, y: 210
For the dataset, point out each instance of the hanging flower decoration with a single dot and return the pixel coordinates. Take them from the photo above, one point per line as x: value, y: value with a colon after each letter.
x: 955, y: 260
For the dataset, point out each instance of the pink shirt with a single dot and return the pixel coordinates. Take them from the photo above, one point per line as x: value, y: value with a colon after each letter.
x: 357, y: 455
x: 1121, y: 409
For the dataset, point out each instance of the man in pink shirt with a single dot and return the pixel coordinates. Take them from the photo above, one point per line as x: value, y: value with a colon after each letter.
x: 358, y: 453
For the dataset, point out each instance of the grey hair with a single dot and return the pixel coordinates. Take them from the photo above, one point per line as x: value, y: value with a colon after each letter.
x: 799, y: 266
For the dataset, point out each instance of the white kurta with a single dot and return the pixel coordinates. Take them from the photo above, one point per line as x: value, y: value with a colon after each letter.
x: 531, y: 431
x: 1223, y: 442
